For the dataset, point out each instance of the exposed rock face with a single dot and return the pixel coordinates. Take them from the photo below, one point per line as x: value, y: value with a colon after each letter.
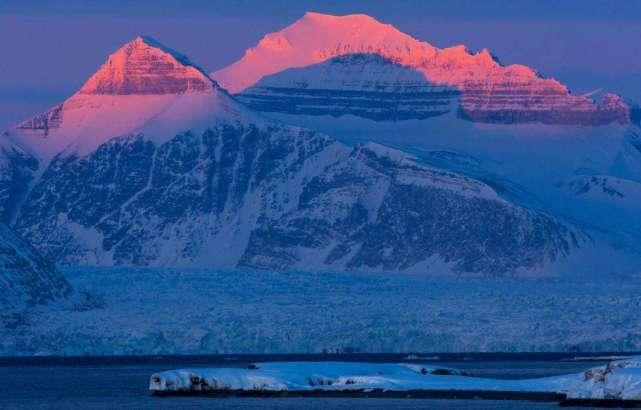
x: 490, y: 92
x: 373, y: 211
x: 144, y: 66
x: 364, y: 85
x: 25, y: 277
x: 44, y: 122
x: 549, y: 107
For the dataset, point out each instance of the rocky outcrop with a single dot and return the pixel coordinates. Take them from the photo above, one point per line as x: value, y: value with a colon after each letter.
x: 45, y: 121
x: 374, y: 211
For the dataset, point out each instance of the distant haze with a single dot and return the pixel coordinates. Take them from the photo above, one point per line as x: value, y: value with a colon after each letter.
x: 49, y: 48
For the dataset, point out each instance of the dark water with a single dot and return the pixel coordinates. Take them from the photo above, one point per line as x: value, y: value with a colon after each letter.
x: 121, y: 383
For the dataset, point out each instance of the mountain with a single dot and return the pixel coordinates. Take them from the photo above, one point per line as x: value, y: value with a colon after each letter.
x: 26, y: 278
x: 141, y: 85
x: 526, y: 136
x: 152, y: 163
x: 286, y: 69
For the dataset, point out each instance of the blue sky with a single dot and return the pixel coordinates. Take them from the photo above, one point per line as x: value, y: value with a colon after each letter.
x: 49, y: 48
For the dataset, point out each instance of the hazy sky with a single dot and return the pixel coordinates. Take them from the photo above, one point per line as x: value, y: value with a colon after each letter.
x: 49, y: 48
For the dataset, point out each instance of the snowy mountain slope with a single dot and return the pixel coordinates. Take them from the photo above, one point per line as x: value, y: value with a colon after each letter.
x: 278, y: 198
x: 159, y: 166
x: 26, y: 278
x: 490, y: 92
x: 627, y: 163
x: 605, y: 188
x: 17, y: 170
x: 528, y: 164
x: 371, y: 212
x: 364, y: 85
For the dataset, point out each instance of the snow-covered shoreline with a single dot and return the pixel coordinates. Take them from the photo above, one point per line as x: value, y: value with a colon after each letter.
x: 618, y: 380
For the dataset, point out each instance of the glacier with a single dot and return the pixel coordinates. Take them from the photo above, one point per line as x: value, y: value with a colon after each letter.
x: 133, y: 311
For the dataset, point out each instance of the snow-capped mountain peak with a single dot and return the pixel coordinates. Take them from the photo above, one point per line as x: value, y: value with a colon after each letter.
x: 315, y: 38
x: 144, y: 66
x: 143, y: 88
x: 318, y: 37
x: 489, y: 91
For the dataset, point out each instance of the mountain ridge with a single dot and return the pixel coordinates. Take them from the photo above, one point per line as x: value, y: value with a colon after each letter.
x: 194, y: 178
x: 490, y: 92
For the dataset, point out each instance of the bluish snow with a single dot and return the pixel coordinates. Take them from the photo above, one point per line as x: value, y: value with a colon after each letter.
x: 617, y: 380
x: 152, y: 311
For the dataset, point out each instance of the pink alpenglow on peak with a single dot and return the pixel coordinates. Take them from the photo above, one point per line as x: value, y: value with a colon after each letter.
x: 144, y: 88
x: 318, y: 37
x: 315, y: 38
x: 490, y: 92
x: 144, y: 66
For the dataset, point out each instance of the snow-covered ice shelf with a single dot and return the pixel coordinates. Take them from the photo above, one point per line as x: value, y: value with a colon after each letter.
x: 618, y: 380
